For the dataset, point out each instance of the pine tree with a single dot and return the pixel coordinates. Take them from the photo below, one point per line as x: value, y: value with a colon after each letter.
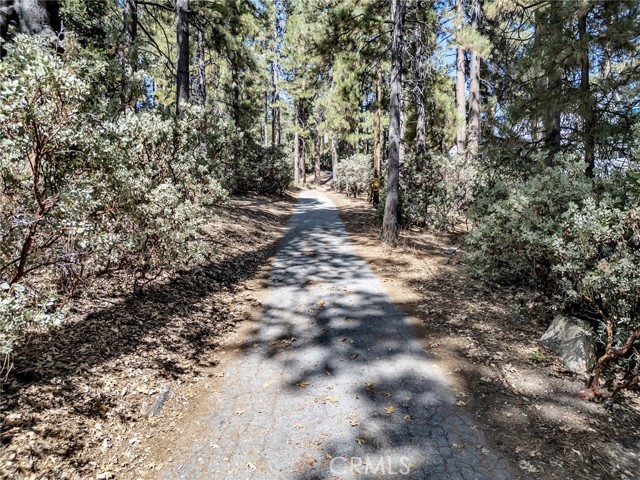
x: 182, y: 68
x: 390, y: 221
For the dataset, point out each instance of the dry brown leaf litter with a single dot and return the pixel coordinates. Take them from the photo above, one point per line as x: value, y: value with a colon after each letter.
x: 78, y: 402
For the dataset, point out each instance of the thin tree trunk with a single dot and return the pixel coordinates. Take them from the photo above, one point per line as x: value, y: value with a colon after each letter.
x: 265, y: 126
x: 552, y: 125
x: 587, y: 98
x: 130, y: 17
x: 403, y: 128
x: 200, y: 91
x: 303, y: 163
x: 275, y: 74
x: 43, y: 206
x: 390, y: 220
x: 182, y: 30
x: 538, y: 133
x: 474, y: 90
x: 296, y: 147
x: 421, y: 142
x: 461, y: 132
x: 316, y: 155
x: 275, y: 108
x: 334, y: 160
x: 235, y: 92
x: 296, y: 159
x: 377, y: 143
x: 421, y: 128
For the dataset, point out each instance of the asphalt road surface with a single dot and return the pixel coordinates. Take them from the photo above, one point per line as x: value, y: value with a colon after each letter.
x: 334, y: 383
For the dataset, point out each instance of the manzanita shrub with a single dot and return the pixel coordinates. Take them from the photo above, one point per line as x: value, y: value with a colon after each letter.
x: 577, y: 239
x: 87, y: 191
x: 354, y: 175
x: 435, y: 191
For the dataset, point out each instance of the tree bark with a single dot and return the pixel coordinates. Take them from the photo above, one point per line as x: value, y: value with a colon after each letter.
x: 334, y: 160
x: 474, y: 90
x: 303, y: 163
x: 182, y: 34
x: 461, y: 132
x: 389, y: 232
x: 421, y: 128
x: 275, y: 108
x: 316, y: 155
x: 420, y: 74
x: 377, y: 143
x: 265, y: 126
x: 32, y: 17
x: 296, y: 147
x: 587, y: 98
x: 403, y: 128
x: 538, y: 133
x: 275, y: 74
x: 130, y: 33
x: 235, y: 92
x: 201, y: 90
x: 552, y: 125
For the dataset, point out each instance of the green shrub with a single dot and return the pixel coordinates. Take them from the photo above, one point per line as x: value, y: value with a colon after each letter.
x: 23, y: 309
x: 354, y: 175
x: 251, y: 167
x: 556, y: 232
x: 83, y: 192
x: 435, y: 191
x: 275, y: 171
x: 519, y: 225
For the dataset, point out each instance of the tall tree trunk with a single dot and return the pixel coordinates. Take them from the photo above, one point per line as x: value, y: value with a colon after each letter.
x: 201, y: 90
x: 316, y: 154
x: 275, y: 108
x: 296, y: 159
x: 296, y: 147
x: 275, y: 74
x: 421, y: 128
x: 552, y: 126
x: 538, y: 133
x: 461, y: 132
x: 421, y: 142
x: 403, y: 128
x: 547, y: 129
x: 389, y: 232
x: 377, y: 143
x: 334, y: 160
x: 265, y: 126
x: 474, y: 89
x: 303, y: 162
x: 32, y: 17
x: 182, y: 78
x: 587, y: 98
x: 130, y: 17
x: 235, y: 92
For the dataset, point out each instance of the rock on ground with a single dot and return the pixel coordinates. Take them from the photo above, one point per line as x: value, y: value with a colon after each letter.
x: 573, y: 340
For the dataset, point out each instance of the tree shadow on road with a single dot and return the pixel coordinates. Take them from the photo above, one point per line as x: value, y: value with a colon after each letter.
x: 333, y: 331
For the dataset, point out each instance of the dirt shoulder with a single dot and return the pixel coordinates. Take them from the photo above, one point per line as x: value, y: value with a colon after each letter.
x: 84, y: 399
x: 486, y: 339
